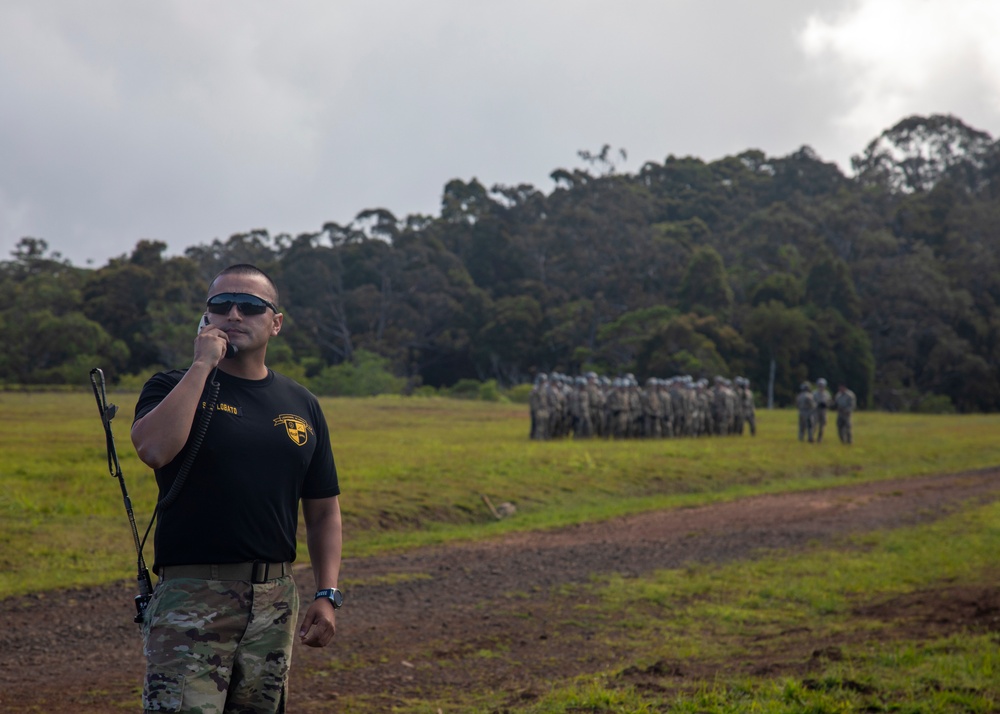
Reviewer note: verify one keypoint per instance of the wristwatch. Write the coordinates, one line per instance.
(333, 595)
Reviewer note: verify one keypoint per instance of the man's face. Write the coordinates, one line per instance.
(247, 332)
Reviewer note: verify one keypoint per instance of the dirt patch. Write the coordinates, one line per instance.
(940, 611)
(79, 650)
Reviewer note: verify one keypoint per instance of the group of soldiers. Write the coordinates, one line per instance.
(619, 408)
(813, 405)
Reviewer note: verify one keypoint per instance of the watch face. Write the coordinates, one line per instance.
(333, 595)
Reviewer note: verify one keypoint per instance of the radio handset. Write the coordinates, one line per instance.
(231, 349)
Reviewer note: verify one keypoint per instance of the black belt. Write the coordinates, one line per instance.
(255, 572)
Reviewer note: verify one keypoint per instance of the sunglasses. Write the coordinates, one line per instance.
(246, 303)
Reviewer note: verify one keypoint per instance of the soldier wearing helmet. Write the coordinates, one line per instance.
(845, 402)
(806, 405)
(579, 407)
(538, 403)
(824, 400)
(749, 415)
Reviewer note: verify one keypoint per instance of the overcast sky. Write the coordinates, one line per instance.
(186, 121)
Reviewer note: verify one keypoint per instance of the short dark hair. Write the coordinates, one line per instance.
(246, 269)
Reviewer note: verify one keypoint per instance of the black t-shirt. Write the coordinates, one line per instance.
(266, 446)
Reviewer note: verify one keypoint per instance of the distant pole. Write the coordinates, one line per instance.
(770, 386)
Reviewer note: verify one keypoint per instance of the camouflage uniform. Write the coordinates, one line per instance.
(579, 406)
(665, 416)
(680, 405)
(618, 409)
(539, 405)
(823, 401)
(242, 659)
(749, 415)
(738, 407)
(703, 409)
(596, 398)
(621, 409)
(634, 399)
(559, 420)
(846, 402)
(723, 407)
(806, 405)
(649, 399)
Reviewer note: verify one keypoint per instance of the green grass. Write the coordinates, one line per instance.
(413, 471)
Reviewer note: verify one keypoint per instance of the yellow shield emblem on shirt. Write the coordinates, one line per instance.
(296, 427)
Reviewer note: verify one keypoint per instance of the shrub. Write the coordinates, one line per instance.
(934, 404)
(366, 375)
(520, 394)
(489, 391)
(292, 370)
(135, 382)
(424, 390)
(464, 389)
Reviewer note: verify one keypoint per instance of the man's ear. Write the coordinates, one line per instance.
(279, 318)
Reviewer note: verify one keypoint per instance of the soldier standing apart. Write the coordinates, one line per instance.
(218, 632)
(845, 401)
(824, 401)
(806, 405)
(749, 416)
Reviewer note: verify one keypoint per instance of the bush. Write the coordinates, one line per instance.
(934, 404)
(292, 370)
(135, 382)
(521, 394)
(489, 391)
(465, 389)
(366, 375)
(424, 390)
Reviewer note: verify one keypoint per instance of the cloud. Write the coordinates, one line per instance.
(186, 121)
(903, 57)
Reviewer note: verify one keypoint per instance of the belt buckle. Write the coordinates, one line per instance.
(260, 572)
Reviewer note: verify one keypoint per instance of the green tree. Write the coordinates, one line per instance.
(829, 285)
(782, 287)
(679, 347)
(705, 288)
(780, 335)
(619, 342)
(512, 334)
(919, 151)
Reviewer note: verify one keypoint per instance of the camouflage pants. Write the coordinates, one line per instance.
(819, 422)
(844, 428)
(219, 646)
(805, 426)
(540, 428)
(619, 425)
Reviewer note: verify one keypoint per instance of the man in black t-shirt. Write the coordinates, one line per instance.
(218, 631)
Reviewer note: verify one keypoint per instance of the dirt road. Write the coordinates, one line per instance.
(415, 625)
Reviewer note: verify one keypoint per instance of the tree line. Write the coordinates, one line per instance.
(781, 270)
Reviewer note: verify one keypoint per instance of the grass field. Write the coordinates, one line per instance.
(413, 472)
